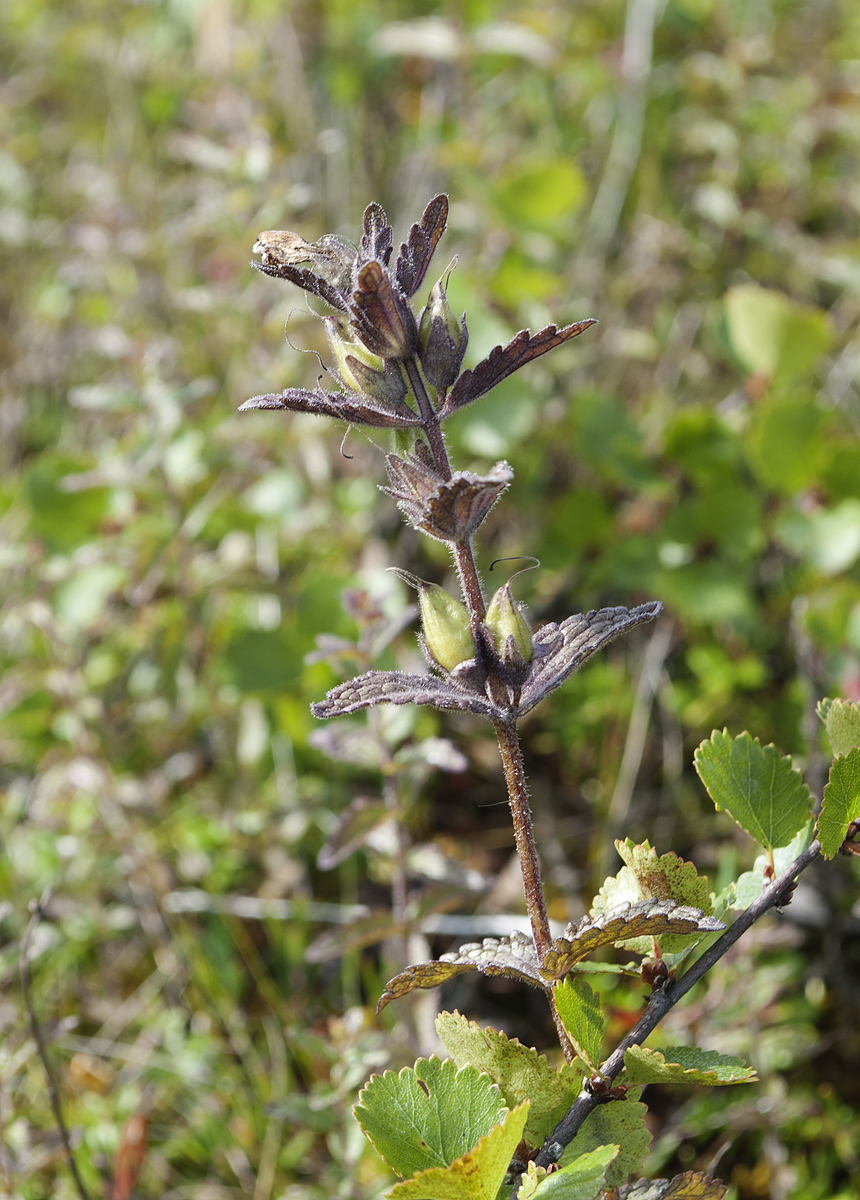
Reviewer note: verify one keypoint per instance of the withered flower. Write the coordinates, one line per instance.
(450, 510)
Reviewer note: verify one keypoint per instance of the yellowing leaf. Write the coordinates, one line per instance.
(477, 1175)
(428, 1115)
(520, 1072)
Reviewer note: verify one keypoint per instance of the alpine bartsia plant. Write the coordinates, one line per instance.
(496, 1111)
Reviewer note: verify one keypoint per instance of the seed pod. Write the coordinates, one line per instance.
(446, 622)
(447, 627)
(442, 340)
(360, 370)
(343, 348)
(505, 619)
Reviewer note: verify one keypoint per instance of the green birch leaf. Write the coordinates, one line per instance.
(756, 785)
(842, 721)
(685, 1064)
(579, 1008)
(841, 803)
(477, 1175)
(647, 875)
(428, 1115)
(519, 1072)
(584, 1179)
(618, 1123)
(751, 884)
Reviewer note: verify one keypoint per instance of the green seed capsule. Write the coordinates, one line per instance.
(505, 619)
(343, 348)
(447, 628)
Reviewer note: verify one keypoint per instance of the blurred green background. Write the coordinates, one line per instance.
(685, 171)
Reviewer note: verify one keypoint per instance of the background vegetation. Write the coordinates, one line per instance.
(165, 565)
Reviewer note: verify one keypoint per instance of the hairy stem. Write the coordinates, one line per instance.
(662, 1001)
(463, 556)
(515, 778)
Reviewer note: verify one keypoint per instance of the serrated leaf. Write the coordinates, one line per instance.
(513, 956)
(579, 1008)
(618, 1123)
(649, 918)
(842, 721)
(414, 257)
(502, 361)
(646, 876)
(477, 1175)
(519, 1071)
(394, 687)
(692, 1185)
(685, 1064)
(756, 786)
(751, 884)
(584, 1179)
(841, 803)
(428, 1115)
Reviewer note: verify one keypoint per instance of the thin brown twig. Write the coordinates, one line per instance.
(36, 909)
(662, 1001)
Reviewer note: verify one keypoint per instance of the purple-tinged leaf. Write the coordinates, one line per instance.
(378, 238)
(394, 687)
(450, 510)
(415, 255)
(559, 650)
(650, 918)
(514, 957)
(381, 318)
(309, 282)
(352, 407)
(502, 361)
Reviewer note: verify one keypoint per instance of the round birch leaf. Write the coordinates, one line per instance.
(842, 721)
(647, 875)
(841, 803)
(685, 1064)
(579, 1008)
(428, 1115)
(519, 1071)
(477, 1175)
(620, 1123)
(756, 785)
(584, 1179)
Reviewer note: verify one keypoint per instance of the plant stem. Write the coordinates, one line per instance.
(662, 1001)
(463, 556)
(515, 778)
(53, 1090)
(518, 798)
